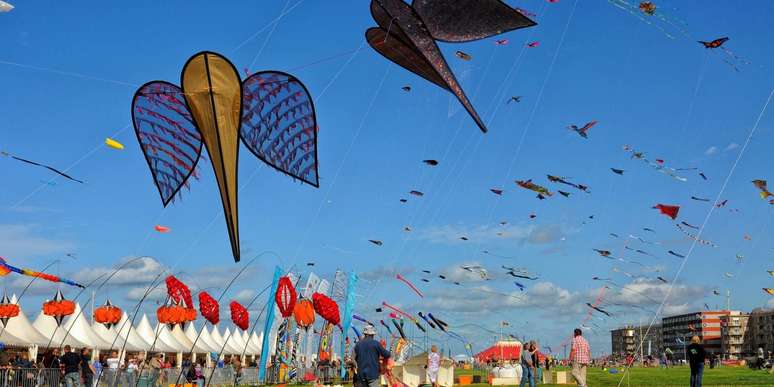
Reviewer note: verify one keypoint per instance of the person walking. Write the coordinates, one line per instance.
(367, 354)
(538, 375)
(527, 367)
(72, 367)
(696, 357)
(580, 357)
(87, 369)
(433, 365)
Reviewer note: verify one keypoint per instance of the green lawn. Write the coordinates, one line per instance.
(673, 376)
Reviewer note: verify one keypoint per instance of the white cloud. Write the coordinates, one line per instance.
(22, 241)
(141, 270)
(382, 272)
(731, 147)
(711, 151)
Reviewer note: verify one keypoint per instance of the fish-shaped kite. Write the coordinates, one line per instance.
(376, 242)
(496, 191)
(162, 229)
(617, 171)
(583, 131)
(6, 269)
(270, 112)
(407, 35)
(518, 285)
(678, 255)
(604, 253)
(430, 162)
(528, 184)
(406, 88)
(533, 44)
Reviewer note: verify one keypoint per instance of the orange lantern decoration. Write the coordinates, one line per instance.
(7, 310)
(304, 313)
(58, 308)
(175, 314)
(108, 314)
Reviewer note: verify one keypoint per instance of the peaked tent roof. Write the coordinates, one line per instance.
(165, 336)
(231, 347)
(255, 341)
(202, 345)
(154, 344)
(54, 334)
(502, 350)
(130, 334)
(77, 327)
(20, 329)
(185, 343)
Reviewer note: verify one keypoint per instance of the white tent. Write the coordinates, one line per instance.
(144, 330)
(77, 327)
(185, 343)
(54, 334)
(203, 343)
(164, 335)
(19, 328)
(239, 342)
(217, 339)
(251, 349)
(231, 346)
(209, 340)
(257, 342)
(130, 334)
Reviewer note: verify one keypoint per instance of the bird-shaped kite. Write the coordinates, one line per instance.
(407, 34)
(713, 43)
(763, 187)
(582, 131)
(271, 113)
(515, 98)
(6, 269)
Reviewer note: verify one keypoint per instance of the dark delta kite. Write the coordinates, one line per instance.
(563, 180)
(515, 98)
(376, 242)
(496, 191)
(407, 34)
(617, 171)
(271, 113)
(430, 162)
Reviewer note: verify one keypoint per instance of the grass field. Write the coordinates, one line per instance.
(675, 376)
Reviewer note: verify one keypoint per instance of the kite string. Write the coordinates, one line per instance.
(707, 218)
(71, 166)
(67, 73)
(271, 33)
(276, 20)
(344, 159)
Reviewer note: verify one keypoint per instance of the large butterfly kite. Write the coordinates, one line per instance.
(270, 111)
(406, 35)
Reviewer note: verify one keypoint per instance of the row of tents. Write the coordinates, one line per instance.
(76, 331)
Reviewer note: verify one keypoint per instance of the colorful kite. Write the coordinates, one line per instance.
(769, 291)
(658, 164)
(668, 210)
(648, 13)
(541, 191)
(50, 168)
(713, 43)
(533, 44)
(763, 187)
(270, 112)
(409, 284)
(6, 269)
(582, 131)
(695, 237)
(604, 253)
(5, 6)
(406, 35)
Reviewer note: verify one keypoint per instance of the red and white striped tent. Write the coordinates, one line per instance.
(501, 350)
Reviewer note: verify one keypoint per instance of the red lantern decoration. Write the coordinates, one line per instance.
(326, 308)
(209, 308)
(108, 314)
(304, 313)
(239, 315)
(175, 314)
(178, 292)
(7, 310)
(285, 297)
(58, 308)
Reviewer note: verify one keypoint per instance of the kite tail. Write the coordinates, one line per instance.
(409, 284)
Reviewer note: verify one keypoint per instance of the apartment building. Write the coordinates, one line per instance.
(627, 340)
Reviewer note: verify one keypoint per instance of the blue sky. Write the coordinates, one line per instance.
(69, 73)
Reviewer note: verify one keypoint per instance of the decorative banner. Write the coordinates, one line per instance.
(267, 325)
(348, 306)
(179, 292)
(326, 308)
(322, 288)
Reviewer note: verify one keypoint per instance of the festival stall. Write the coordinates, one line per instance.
(413, 372)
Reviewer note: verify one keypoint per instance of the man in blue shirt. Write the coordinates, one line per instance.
(367, 354)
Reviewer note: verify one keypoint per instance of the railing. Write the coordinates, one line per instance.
(50, 377)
